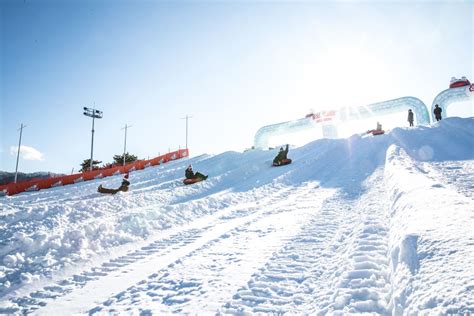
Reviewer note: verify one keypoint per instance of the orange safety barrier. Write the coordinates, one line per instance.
(38, 184)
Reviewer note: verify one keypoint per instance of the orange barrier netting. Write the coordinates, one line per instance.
(38, 184)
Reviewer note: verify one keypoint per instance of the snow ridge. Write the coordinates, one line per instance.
(430, 243)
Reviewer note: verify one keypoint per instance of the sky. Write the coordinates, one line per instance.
(232, 66)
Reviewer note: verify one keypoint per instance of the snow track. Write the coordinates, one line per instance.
(235, 227)
(309, 276)
(458, 175)
(294, 273)
(206, 277)
(364, 284)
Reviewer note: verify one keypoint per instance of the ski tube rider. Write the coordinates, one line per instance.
(282, 155)
(189, 173)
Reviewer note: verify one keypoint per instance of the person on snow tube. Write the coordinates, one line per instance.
(281, 156)
(377, 131)
(123, 187)
(191, 175)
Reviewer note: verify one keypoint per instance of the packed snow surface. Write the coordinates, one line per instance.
(378, 224)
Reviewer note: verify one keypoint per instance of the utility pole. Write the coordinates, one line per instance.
(186, 118)
(18, 154)
(125, 142)
(94, 114)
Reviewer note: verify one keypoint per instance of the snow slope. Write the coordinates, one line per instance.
(361, 225)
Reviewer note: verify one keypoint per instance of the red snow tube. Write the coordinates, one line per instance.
(282, 163)
(191, 181)
(100, 189)
(459, 83)
(378, 132)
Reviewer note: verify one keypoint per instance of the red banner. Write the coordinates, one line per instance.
(38, 184)
(322, 116)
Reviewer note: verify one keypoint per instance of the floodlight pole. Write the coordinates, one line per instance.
(92, 144)
(18, 154)
(94, 114)
(186, 118)
(125, 142)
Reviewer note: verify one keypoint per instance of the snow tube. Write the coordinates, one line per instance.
(376, 132)
(100, 189)
(194, 180)
(282, 163)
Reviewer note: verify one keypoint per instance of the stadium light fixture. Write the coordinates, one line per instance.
(95, 114)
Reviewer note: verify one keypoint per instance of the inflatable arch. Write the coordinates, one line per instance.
(449, 96)
(264, 134)
(387, 107)
(345, 114)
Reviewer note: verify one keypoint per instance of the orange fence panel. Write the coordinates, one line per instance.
(38, 184)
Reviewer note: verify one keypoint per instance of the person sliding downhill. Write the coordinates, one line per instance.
(377, 131)
(123, 187)
(281, 158)
(191, 175)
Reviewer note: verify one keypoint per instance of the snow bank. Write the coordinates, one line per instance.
(431, 240)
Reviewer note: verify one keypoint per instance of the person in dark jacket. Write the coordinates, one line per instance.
(437, 112)
(282, 155)
(125, 182)
(410, 117)
(189, 173)
(123, 187)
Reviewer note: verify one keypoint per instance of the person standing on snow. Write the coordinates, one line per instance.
(437, 112)
(410, 117)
